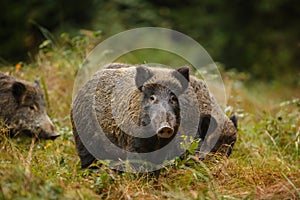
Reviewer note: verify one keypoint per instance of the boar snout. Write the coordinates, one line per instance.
(47, 129)
(54, 135)
(165, 131)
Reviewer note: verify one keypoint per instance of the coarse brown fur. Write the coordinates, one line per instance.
(22, 108)
(113, 90)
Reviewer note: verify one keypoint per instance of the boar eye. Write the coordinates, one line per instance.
(173, 98)
(152, 98)
(32, 107)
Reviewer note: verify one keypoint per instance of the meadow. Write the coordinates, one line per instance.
(265, 162)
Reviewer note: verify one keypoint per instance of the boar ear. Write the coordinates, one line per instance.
(183, 75)
(18, 89)
(37, 81)
(207, 125)
(185, 72)
(143, 74)
(234, 120)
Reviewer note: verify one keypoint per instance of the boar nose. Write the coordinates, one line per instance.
(48, 129)
(165, 131)
(54, 135)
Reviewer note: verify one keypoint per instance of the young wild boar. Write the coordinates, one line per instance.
(122, 98)
(22, 108)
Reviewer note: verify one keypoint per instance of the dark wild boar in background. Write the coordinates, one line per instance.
(22, 108)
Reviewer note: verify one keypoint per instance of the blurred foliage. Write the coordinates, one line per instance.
(260, 37)
(21, 21)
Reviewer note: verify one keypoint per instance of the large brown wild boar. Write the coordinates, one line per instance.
(122, 93)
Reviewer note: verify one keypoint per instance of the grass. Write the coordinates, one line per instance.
(265, 163)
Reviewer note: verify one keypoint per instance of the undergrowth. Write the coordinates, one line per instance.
(265, 163)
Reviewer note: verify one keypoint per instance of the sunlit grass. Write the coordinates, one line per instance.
(265, 163)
